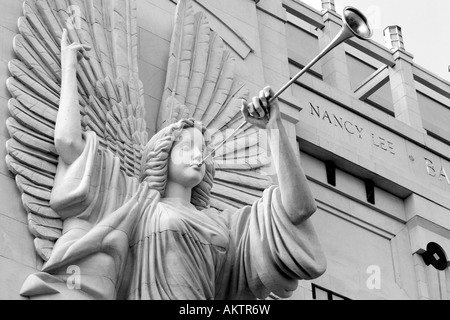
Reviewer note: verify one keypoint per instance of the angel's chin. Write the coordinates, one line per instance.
(190, 178)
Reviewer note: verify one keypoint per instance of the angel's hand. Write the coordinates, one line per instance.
(260, 112)
(72, 53)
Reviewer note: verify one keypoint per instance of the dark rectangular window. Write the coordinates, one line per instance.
(370, 191)
(331, 173)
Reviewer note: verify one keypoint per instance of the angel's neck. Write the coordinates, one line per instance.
(176, 190)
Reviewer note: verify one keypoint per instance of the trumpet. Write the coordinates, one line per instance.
(355, 25)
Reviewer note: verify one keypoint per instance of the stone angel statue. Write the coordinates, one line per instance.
(139, 219)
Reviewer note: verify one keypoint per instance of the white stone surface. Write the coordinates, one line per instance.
(412, 200)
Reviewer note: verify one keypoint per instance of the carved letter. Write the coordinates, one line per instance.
(373, 141)
(444, 174)
(391, 147)
(338, 122)
(360, 130)
(313, 110)
(430, 167)
(383, 144)
(326, 115)
(346, 127)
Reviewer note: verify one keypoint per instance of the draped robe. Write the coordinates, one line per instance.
(126, 242)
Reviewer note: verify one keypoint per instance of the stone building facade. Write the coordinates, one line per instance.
(370, 125)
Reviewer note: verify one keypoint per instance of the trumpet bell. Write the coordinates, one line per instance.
(357, 23)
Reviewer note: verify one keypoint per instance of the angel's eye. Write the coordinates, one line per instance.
(185, 146)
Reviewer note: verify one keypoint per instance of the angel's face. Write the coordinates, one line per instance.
(187, 152)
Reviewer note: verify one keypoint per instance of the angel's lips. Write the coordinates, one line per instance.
(196, 165)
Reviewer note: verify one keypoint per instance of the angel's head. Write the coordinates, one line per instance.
(172, 154)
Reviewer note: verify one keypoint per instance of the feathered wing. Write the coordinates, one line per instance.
(111, 96)
(200, 84)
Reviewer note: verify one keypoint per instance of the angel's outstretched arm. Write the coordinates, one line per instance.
(296, 196)
(69, 142)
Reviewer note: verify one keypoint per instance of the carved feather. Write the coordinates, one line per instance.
(120, 38)
(33, 162)
(40, 208)
(29, 138)
(259, 183)
(30, 119)
(84, 33)
(21, 73)
(44, 248)
(37, 24)
(199, 62)
(100, 41)
(231, 107)
(28, 187)
(33, 62)
(179, 66)
(213, 69)
(51, 63)
(29, 173)
(111, 96)
(201, 84)
(47, 229)
(69, 21)
(222, 89)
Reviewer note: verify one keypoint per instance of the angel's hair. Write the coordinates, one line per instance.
(155, 157)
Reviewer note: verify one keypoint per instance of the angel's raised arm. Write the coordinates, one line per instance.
(69, 142)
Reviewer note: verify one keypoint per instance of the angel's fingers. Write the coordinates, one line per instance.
(251, 110)
(83, 50)
(260, 113)
(268, 92)
(81, 47)
(263, 99)
(244, 110)
(87, 47)
(248, 110)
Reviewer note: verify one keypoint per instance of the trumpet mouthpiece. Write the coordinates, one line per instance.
(197, 164)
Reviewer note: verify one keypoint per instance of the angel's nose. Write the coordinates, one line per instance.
(197, 157)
